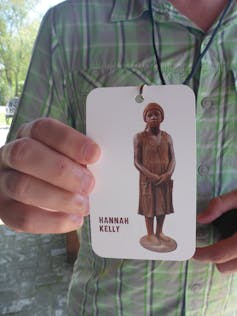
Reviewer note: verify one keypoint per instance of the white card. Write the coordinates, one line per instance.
(127, 136)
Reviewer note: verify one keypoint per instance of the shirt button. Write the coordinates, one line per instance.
(203, 170)
(196, 287)
(207, 103)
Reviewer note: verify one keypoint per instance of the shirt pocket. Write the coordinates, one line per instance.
(80, 82)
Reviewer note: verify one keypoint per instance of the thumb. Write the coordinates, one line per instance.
(218, 206)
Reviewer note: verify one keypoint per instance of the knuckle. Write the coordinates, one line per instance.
(24, 224)
(18, 151)
(221, 269)
(218, 201)
(23, 188)
(216, 255)
(17, 186)
(42, 127)
(215, 202)
(17, 221)
(38, 126)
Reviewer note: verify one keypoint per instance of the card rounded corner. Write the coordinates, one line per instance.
(190, 254)
(189, 89)
(91, 93)
(96, 252)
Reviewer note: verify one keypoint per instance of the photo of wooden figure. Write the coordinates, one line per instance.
(155, 160)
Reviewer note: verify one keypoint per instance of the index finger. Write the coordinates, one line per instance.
(218, 206)
(222, 251)
(63, 139)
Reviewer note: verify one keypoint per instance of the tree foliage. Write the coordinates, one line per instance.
(17, 35)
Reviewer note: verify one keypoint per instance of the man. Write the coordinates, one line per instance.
(154, 158)
(86, 44)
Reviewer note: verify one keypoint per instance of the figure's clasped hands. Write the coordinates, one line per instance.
(157, 180)
(224, 252)
(44, 182)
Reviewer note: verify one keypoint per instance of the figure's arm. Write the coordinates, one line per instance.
(171, 166)
(167, 175)
(138, 160)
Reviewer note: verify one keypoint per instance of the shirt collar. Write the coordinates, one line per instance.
(163, 10)
(128, 10)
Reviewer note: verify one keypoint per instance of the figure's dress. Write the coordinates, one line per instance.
(154, 200)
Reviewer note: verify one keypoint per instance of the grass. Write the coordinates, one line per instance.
(3, 120)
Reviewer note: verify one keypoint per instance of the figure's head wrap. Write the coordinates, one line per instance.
(153, 106)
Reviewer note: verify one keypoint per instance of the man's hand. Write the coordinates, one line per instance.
(224, 252)
(44, 182)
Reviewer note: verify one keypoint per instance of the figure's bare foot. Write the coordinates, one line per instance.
(163, 237)
(153, 239)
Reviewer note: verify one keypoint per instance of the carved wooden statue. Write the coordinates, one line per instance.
(154, 158)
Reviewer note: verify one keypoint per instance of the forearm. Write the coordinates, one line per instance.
(171, 168)
(143, 170)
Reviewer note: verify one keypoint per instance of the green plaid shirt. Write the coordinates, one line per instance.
(83, 44)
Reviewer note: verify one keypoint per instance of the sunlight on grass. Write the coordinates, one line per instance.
(3, 120)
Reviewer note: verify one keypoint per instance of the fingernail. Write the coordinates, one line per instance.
(82, 204)
(87, 184)
(76, 219)
(90, 152)
(84, 180)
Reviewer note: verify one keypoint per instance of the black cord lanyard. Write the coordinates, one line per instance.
(196, 64)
